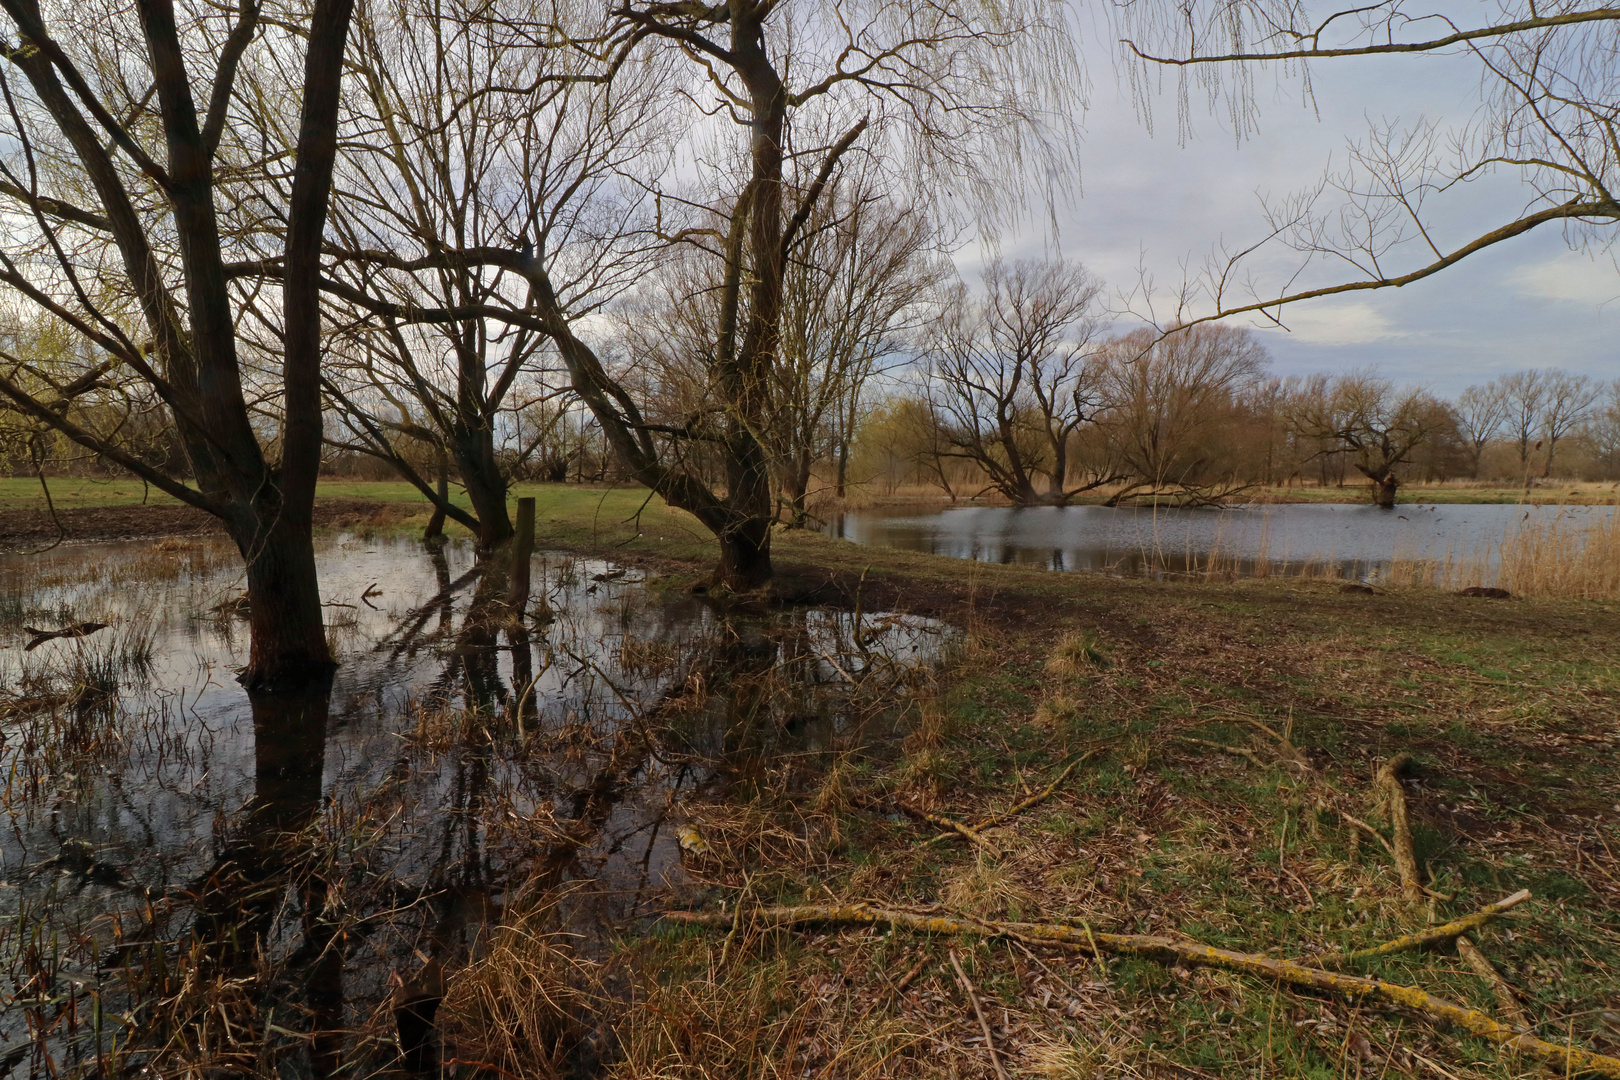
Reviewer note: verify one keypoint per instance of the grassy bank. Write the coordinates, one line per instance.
(23, 493)
(1227, 734)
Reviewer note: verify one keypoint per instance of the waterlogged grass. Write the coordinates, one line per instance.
(1224, 731)
(1229, 728)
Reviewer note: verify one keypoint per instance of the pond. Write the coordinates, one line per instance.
(311, 868)
(1333, 538)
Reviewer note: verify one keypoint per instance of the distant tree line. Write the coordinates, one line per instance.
(701, 248)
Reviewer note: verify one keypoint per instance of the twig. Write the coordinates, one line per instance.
(916, 969)
(1171, 950)
(1434, 935)
(1236, 751)
(1389, 784)
(955, 826)
(1506, 1003)
(1041, 796)
(978, 1010)
(1351, 819)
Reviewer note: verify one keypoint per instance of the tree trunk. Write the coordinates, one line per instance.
(435, 525)
(1384, 490)
(842, 476)
(486, 487)
(522, 553)
(745, 554)
(289, 648)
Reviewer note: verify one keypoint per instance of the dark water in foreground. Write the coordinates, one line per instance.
(1352, 540)
(170, 850)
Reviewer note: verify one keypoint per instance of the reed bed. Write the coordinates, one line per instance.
(1567, 553)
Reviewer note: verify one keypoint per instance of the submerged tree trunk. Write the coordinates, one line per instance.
(289, 648)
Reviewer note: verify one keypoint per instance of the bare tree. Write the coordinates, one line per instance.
(1379, 426)
(1569, 399)
(1011, 374)
(123, 208)
(862, 268)
(1525, 393)
(931, 91)
(1481, 412)
(1604, 430)
(1173, 403)
(462, 138)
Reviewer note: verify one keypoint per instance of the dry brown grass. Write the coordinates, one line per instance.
(523, 1008)
(1566, 554)
(1077, 654)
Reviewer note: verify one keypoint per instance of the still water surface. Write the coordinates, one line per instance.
(154, 819)
(1355, 540)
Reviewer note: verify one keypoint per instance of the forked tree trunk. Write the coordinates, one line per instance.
(1384, 490)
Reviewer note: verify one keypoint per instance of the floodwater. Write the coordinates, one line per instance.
(172, 849)
(1349, 540)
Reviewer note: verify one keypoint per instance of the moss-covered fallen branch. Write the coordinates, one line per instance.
(1434, 935)
(1571, 1059)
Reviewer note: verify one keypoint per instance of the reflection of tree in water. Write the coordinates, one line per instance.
(541, 755)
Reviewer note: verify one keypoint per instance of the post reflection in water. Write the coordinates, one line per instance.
(289, 883)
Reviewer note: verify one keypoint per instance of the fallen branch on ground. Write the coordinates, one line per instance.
(1235, 751)
(1156, 947)
(978, 1010)
(1436, 935)
(1506, 1003)
(1389, 785)
(957, 827)
(1036, 799)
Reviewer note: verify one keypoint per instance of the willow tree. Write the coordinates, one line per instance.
(1012, 375)
(461, 137)
(951, 101)
(122, 207)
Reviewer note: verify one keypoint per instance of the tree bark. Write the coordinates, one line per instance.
(745, 553)
(522, 552)
(435, 525)
(486, 487)
(1384, 490)
(288, 648)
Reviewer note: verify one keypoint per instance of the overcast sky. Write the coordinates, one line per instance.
(1148, 199)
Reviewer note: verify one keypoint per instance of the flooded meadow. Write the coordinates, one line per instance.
(196, 882)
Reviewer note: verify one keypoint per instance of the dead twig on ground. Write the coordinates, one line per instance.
(961, 829)
(1235, 751)
(1173, 950)
(1437, 935)
(996, 820)
(1506, 1003)
(1351, 819)
(978, 1010)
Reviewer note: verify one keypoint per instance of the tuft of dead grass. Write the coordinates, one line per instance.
(1077, 654)
(522, 1009)
(989, 889)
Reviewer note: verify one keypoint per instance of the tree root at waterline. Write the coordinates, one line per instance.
(1166, 949)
